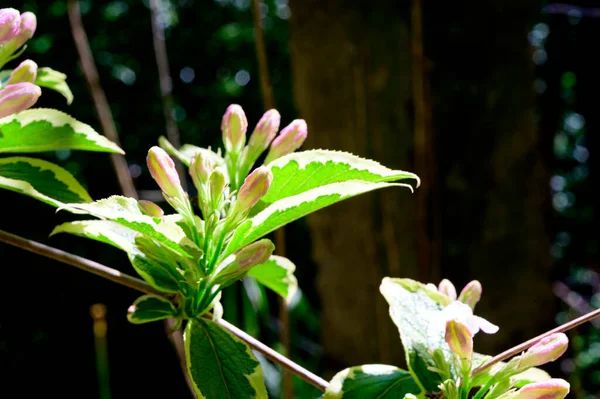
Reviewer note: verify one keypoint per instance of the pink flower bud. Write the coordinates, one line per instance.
(239, 264)
(547, 350)
(288, 141)
(25, 32)
(25, 72)
(554, 388)
(233, 126)
(18, 97)
(254, 188)
(162, 169)
(151, 209)
(460, 339)
(201, 167)
(471, 294)
(447, 288)
(10, 21)
(263, 134)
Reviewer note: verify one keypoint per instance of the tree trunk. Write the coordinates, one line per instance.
(352, 83)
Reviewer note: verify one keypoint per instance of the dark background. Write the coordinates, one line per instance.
(509, 182)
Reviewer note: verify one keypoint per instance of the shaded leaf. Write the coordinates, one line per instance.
(41, 180)
(149, 308)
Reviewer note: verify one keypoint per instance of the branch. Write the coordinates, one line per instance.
(137, 284)
(99, 97)
(525, 345)
(166, 83)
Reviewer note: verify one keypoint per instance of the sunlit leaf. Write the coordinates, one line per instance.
(278, 275)
(149, 308)
(221, 365)
(41, 129)
(371, 381)
(54, 80)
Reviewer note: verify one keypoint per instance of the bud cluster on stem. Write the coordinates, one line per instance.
(15, 30)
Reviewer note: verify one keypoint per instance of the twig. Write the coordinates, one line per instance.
(268, 103)
(166, 83)
(99, 98)
(525, 345)
(573, 300)
(137, 284)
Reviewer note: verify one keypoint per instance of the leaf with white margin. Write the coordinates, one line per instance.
(125, 211)
(277, 274)
(43, 129)
(417, 312)
(298, 172)
(105, 231)
(41, 180)
(54, 80)
(220, 365)
(291, 208)
(371, 381)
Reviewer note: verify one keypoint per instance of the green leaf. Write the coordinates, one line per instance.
(41, 129)
(277, 274)
(125, 211)
(371, 381)
(188, 151)
(302, 171)
(416, 311)
(289, 209)
(54, 80)
(220, 365)
(149, 308)
(41, 180)
(528, 377)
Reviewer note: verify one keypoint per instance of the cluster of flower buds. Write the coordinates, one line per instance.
(19, 92)
(241, 157)
(254, 188)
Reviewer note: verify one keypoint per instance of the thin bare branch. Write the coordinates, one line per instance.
(99, 97)
(140, 285)
(166, 83)
(526, 345)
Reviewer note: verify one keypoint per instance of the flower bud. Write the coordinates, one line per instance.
(162, 169)
(151, 209)
(263, 134)
(288, 141)
(254, 188)
(471, 294)
(236, 266)
(233, 126)
(218, 183)
(25, 72)
(18, 97)
(25, 32)
(554, 388)
(545, 351)
(460, 339)
(201, 167)
(447, 288)
(10, 21)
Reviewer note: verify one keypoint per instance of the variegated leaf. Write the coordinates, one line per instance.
(277, 274)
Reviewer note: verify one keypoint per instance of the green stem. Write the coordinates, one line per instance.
(484, 389)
